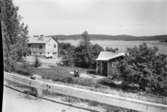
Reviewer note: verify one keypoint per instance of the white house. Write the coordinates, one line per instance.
(43, 46)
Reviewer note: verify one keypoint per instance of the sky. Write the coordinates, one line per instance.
(113, 17)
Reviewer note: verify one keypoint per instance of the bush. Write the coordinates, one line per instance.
(143, 66)
(37, 63)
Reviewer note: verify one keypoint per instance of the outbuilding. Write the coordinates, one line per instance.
(105, 62)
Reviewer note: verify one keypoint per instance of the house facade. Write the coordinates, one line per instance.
(106, 61)
(43, 46)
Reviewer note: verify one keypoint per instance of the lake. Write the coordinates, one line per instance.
(122, 45)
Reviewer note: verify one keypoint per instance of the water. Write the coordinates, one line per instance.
(122, 45)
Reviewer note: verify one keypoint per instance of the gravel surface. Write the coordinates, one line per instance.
(17, 102)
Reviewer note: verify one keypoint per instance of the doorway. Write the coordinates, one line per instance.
(104, 68)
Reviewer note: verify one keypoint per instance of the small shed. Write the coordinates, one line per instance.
(105, 61)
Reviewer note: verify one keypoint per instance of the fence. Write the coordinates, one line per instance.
(109, 99)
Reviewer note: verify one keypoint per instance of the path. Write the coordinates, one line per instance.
(17, 102)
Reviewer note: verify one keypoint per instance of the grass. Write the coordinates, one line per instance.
(62, 74)
(23, 68)
(57, 73)
(93, 103)
(54, 74)
(69, 68)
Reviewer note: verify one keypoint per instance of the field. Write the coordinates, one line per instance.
(122, 45)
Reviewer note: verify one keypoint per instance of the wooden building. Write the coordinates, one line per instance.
(105, 62)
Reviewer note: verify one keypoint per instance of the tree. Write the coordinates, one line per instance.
(86, 44)
(67, 53)
(86, 39)
(145, 67)
(83, 55)
(86, 53)
(14, 34)
(94, 53)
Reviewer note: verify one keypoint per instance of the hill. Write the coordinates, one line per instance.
(111, 37)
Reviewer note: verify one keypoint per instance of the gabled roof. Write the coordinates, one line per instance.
(106, 55)
(39, 40)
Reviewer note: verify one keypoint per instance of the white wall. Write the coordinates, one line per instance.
(50, 47)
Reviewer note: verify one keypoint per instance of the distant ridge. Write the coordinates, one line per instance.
(111, 37)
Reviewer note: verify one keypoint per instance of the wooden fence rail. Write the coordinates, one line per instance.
(108, 99)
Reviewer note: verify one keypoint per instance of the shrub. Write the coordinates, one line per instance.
(37, 63)
(145, 67)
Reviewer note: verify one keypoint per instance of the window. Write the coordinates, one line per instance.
(55, 46)
(40, 47)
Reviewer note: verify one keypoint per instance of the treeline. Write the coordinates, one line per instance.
(112, 37)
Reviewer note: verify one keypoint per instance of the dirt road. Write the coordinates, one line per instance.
(17, 102)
